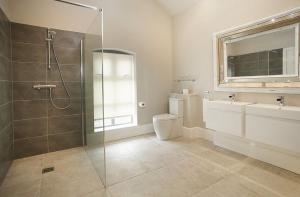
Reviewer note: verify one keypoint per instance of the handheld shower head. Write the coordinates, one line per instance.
(51, 34)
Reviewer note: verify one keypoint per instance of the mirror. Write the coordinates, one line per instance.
(262, 56)
(267, 54)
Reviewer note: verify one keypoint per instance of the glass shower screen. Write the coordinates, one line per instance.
(93, 91)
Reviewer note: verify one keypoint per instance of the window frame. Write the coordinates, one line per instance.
(134, 73)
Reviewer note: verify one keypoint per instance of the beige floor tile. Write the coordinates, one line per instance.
(119, 170)
(235, 186)
(176, 179)
(146, 167)
(24, 170)
(26, 189)
(98, 193)
(72, 157)
(276, 179)
(57, 185)
(146, 185)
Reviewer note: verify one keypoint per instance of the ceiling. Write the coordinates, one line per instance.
(177, 6)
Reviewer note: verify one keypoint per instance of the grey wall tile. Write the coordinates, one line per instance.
(74, 89)
(261, 63)
(30, 146)
(5, 46)
(29, 71)
(64, 124)
(67, 39)
(30, 128)
(65, 141)
(67, 55)
(34, 115)
(5, 92)
(69, 72)
(6, 131)
(28, 33)
(24, 52)
(6, 136)
(25, 91)
(75, 107)
(30, 109)
(5, 68)
(5, 115)
(6, 150)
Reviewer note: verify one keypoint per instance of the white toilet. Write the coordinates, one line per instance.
(169, 126)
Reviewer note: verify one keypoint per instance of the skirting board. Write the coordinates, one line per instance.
(266, 153)
(117, 134)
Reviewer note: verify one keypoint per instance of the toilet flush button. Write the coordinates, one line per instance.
(142, 104)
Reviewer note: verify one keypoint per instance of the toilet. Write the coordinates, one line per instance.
(168, 126)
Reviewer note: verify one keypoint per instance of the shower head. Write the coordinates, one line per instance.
(51, 34)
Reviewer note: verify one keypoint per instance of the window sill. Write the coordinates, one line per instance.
(112, 128)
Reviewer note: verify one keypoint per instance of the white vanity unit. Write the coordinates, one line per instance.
(270, 133)
(227, 117)
(274, 125)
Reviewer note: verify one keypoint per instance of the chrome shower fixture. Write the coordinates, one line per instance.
(49, 39)
(51, 34)
(39, 86)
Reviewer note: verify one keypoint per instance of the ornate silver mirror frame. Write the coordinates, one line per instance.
(277, 84)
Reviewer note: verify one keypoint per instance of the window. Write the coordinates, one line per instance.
(119, 90)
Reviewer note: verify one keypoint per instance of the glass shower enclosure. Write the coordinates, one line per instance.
(94, 96)
(64, 44)
(92, 93)
(92, 88)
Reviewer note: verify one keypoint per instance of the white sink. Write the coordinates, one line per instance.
(228, 105)
(274, 125)
(226, 117)
(286, 112)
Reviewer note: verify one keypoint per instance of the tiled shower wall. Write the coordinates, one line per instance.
(38, 126)
(254, 64)
(6, 131)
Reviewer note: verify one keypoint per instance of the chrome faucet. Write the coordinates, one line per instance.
(232, 97)
(280, 100)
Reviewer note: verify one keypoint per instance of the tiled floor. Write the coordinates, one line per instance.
(146, 167)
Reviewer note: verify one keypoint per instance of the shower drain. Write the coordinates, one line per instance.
(49, 169)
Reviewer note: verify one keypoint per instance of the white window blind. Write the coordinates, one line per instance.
(119, 90)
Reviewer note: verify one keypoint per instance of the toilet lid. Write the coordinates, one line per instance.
(164, 117)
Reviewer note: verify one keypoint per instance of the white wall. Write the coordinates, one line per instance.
(140, 26)
(143, 27)
(192, 40)
(49, 13)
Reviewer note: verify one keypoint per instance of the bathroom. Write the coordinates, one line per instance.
(177, 118)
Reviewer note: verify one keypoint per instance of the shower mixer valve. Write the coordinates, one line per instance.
(39, 86)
